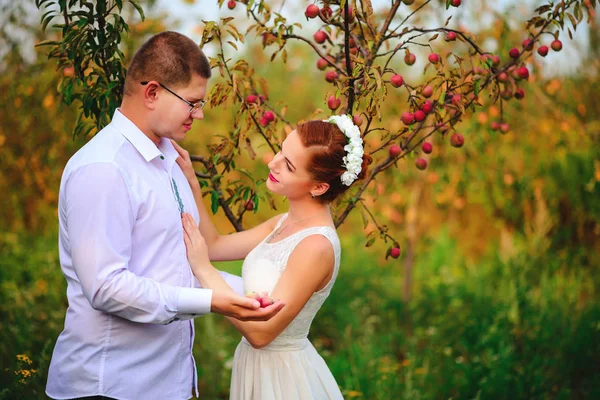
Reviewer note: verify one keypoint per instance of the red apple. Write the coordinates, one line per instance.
(421, 163)
(542, 51)
(326, 12)
(395, 150)
(350, 14)
(427, 107)
(269, 116)
(251, 99)
(514, 52)
(357, 120)
(311, 11)
(455, 3)
(333, 103)
(419, 115)
(504, 127)
(433, 58)
(502, 76)
(395, 252)
(427, 147)
(456, 99)
(263, 121)
(231, 4)
(68, 71)
(331, 76)
(457, 140)
(519, 94)
(320, 37)
(495, 60)
(556, 45)
(427, 91)
(266, 301)
(523, 72)
(450, 36)
(494, 125)
(410, 59)
(322, 63)
(396, 80)
(408, 118)
(528, 44)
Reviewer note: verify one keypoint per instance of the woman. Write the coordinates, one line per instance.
(294, 257)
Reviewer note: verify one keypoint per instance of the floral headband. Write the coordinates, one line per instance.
(353, 160)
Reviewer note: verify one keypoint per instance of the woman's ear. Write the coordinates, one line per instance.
(320, 189)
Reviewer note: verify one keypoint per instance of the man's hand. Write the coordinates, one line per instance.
(233, 305)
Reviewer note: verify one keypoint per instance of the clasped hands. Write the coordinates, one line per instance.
(224, 300)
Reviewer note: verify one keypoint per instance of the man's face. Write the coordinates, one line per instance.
(171, 118)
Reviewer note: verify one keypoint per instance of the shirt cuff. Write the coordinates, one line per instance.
(194, 301)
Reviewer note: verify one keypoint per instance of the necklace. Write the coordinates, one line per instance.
(281, 230)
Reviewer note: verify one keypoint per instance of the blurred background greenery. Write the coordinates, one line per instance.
(496, 294)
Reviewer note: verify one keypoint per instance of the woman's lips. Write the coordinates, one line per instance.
(272, 178)
(187, 126)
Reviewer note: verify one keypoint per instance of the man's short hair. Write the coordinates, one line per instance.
(169, 58)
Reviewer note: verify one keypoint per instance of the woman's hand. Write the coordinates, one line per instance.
(185, 163)
(197, 251)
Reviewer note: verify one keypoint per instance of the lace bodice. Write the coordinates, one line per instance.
(265, 264)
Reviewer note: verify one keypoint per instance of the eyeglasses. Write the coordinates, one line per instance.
(193, 106)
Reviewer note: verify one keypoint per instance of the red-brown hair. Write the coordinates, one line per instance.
(326, 143)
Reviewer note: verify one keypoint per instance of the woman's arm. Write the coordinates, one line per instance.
(210, 277)
(235, 246)
(310, 264)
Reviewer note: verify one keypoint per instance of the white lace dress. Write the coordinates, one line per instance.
(289, 368)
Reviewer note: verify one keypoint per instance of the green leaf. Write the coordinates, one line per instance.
(138, 8)
(214, 201)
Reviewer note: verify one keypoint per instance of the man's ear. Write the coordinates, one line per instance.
(150, 94)
(320, 189)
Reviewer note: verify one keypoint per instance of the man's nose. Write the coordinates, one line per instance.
(198, 114)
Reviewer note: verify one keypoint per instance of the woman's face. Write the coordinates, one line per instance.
(288, 169)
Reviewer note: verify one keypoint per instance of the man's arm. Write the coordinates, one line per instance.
(99, 220)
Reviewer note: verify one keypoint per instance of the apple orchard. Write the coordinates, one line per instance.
(363, 56)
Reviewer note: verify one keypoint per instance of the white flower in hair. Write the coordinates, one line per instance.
(354, 149)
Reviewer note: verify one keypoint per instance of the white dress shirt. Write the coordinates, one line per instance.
(128, 329)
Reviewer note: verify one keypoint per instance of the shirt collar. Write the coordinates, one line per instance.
(137, 138)
(168, 150)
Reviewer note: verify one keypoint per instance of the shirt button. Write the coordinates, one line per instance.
(162, 157)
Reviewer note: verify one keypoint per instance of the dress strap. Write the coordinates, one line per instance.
(283, 217)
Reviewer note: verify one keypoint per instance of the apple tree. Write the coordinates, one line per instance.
(358, 50)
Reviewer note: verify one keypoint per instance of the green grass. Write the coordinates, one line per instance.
(527, 327)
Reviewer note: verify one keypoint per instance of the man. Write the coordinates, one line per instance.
(132, 296)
